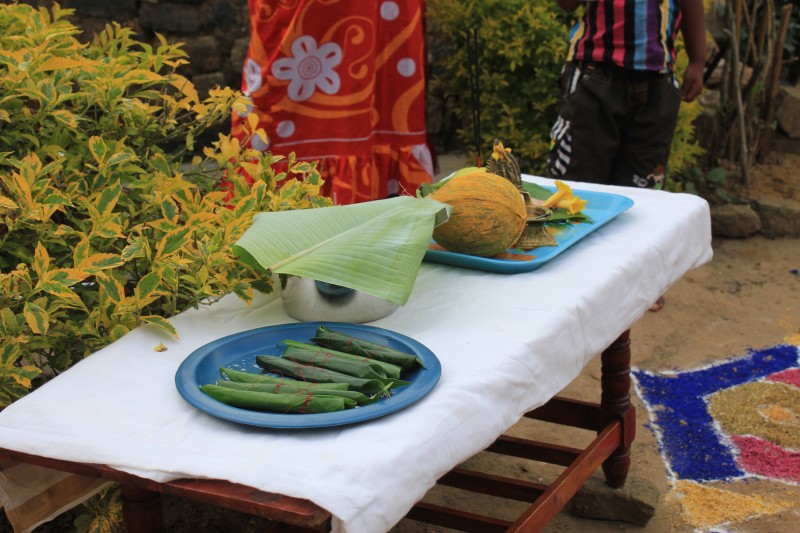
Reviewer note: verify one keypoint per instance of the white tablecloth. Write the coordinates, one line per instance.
(507, 343)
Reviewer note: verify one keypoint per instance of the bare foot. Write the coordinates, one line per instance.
(656, 307)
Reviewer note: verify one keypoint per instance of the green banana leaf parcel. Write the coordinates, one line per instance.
(375, 247)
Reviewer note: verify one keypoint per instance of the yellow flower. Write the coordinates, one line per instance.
(573, 205)
(563, 192)
(565, 199)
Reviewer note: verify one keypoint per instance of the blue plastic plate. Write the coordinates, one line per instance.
(601, 208)
(238, 351)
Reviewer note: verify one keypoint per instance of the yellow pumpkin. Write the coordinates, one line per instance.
(488, 214)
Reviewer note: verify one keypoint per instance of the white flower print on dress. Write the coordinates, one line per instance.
(252, 76)
(311, 67)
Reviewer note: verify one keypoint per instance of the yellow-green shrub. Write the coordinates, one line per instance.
(102, 227)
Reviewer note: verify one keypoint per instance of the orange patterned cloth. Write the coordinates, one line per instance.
(342, 82)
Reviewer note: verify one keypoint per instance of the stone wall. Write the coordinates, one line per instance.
(214, 33)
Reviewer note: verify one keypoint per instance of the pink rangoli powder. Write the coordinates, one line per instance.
(791, 376)
(761, 457)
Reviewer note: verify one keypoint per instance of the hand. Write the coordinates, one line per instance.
(692, 81)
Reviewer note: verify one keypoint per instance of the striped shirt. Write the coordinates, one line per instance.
(634, 34)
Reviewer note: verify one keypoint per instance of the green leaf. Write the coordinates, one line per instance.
(161, 322)
(81, 251)
(147, 285)
(172, 242)
(41, 262)
(98, 148)
(169, 209)
(108, 199)
(57, 198)
(8, 322)
(375, 247)
(111, 287)
(160, 163)
(37, 318)
(134, 249)
(62, 292)
(7, 203)
(537, 191)
(120, 157)
(101, 261)
(717, 176)
(65, 117)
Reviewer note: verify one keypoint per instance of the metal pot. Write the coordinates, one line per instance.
(309, 300)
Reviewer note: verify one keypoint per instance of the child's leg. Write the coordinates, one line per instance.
(647, 136)
(585, 138)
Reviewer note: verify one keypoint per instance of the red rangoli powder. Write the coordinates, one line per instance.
(761, 457)
(790, 377)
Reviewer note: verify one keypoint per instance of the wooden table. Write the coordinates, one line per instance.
(537, 330)
(613, 419)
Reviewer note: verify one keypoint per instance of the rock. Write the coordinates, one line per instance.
(239, 53)
(781, 143)
(734, 221)
(780, 217)
(203, 52)
(117, 10)
(706, 125)
(172, 18)
(787, 112)
(223, 14)
(634, 503)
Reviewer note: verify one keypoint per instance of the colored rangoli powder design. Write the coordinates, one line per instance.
(765, 459)
(792, 377)
(763, 409)
(705, 507)
(690, 442)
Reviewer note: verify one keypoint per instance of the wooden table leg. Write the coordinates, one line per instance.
(141, 510)
(615, 404)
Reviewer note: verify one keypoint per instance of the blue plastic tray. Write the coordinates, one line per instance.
(238, 351)
(601, 208)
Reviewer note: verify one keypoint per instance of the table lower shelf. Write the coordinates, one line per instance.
(613, 419)
(546, 500)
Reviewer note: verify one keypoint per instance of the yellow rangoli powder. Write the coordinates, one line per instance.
(705, 507)
(767, 410)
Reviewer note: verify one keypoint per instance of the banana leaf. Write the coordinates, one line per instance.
(391, 370)
(375, 247)
(325, 359)
(248, 377)
(345, 343)
(281, 388)
(320, 375)
(277, 403)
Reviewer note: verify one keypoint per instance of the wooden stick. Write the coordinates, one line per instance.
(766, 43)
(749, 57)
(737, 93)
(738, 33)
(769, 9)
(774, 86)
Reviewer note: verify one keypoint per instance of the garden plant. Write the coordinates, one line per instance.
(107, 220)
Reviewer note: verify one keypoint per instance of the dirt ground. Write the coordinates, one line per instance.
(746, 297)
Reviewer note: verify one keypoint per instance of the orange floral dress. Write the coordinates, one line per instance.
(342, 82)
